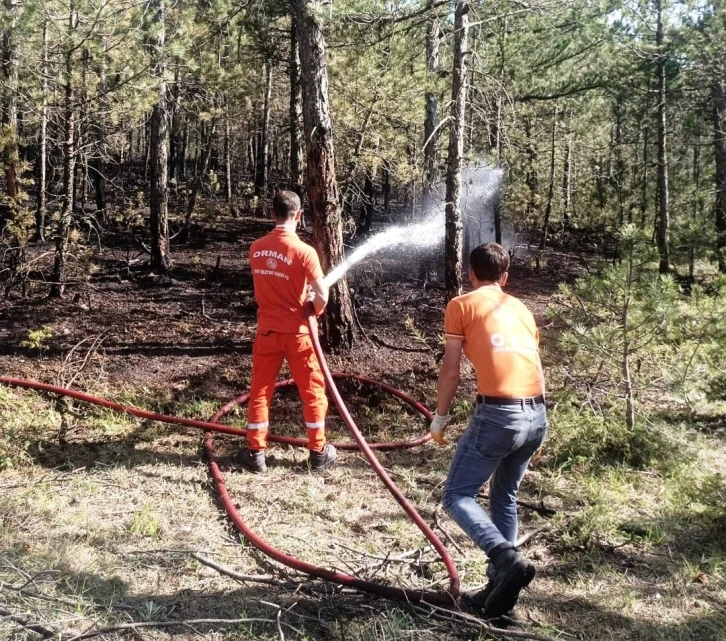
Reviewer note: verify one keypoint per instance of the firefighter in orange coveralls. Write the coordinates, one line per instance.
(286, 274)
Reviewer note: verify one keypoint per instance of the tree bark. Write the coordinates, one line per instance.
(532, 176)
(431, 136)
(296, 164)
(227, 157)
(663, 232)
(199, 178)
(719, 141)
(696, 175)
(69, 164)
(41, 208)
(159, 149)
(551, 188)
(322, 183)
(454, 226)
(567, 184)
(644, 176)
(99, 164)
(263, 152)
(11, 157)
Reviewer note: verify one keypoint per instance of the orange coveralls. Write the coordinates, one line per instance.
(282, 267)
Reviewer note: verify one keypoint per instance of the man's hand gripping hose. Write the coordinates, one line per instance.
(438, 427)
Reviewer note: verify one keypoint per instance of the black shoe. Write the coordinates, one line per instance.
(253, 461)
(477, 598)
(514, 572)
(320, 461)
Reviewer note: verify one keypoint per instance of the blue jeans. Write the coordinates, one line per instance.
(498, 444)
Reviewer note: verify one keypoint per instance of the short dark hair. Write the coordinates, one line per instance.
(285, 205)
(489, 262)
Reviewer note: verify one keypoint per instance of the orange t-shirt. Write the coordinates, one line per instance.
(500, 339)
(282, 267)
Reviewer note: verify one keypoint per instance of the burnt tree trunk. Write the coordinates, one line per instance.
(719, 142)
(454, 226)
(69, 165)
(532, 176)
(159, 149)
(296, 164)
(322, 183)
(431, 136)
(663, 231)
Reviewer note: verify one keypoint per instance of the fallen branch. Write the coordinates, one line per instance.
(540, 509)
(169, 624)
(237, 576)
(526, 538)
(447, 536)
(440, 613)
(44, 632)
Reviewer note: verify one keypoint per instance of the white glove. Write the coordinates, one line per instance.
(311, 295)
(438, 427)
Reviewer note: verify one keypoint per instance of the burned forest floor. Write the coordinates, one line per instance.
(110, 524)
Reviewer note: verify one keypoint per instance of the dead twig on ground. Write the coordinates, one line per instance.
(540, 509)
(44, 632)
(169, 624)
(446, 534)
(526, 538)
(441, 613)
(237, 576)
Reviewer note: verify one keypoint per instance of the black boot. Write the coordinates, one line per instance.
(320, 461)
(477, 598)
(514, 572)
(253, 461)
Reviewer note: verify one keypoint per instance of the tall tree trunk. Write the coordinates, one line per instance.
(322, 184)
(10, 152)
(69, 164)
(619, 172)
(498, 137)
(263, 152)
(454, 226)
(532, 176)
(663, 195)
(199, 178)
(41, 208)
(368, 205)
(644, 176)
(567, 183)
(296, 164)
(551, 188)
(719, 141)
(227, 157)
(696, 175)
(99, 164)
(431, 136)
(159, 149)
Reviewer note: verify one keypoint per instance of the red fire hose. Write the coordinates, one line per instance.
(438, 598)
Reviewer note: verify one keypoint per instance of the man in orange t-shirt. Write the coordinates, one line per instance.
(498, 334)
(286, 273)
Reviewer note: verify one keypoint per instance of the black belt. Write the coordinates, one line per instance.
(503, 400)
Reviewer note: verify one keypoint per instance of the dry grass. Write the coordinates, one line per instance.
(105, 528)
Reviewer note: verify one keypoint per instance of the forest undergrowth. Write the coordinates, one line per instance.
(110, 525)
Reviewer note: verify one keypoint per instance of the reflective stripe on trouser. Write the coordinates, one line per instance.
(269, 350)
